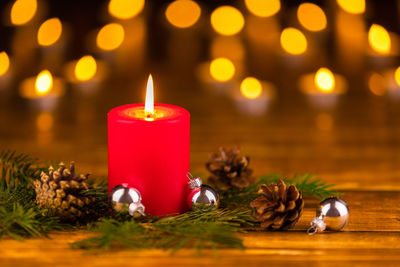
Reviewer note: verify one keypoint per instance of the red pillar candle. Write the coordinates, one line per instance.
(150, 152)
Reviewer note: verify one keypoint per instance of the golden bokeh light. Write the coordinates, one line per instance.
(44, 121)
(263, 8)
(222, 69)
(251, 88)
(110, 37)
(397, 76)
(43, 83)
(125, 9)
(85, 68)
(227, 20)
(293, 41)
(352, 6)
(49, 32)
(377, 84)
(22, 11)
(379, 39)
(183, 13)
(324, 80)
(4, 63)
(311, 17)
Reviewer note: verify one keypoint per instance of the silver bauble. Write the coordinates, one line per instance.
(126, 200)
(332, 214)
(205, 196)
(200, 193)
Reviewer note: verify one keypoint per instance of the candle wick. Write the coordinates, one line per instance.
(149, 116)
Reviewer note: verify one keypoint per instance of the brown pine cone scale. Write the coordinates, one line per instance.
(229, 170)
(278, 207)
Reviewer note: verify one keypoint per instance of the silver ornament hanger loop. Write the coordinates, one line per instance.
(317, 225)
(194, 182)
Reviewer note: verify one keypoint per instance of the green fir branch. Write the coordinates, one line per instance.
(204, 227)
(17, 169)
(310, 185)
(19, 222)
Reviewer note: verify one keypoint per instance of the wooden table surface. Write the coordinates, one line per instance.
(371, 237)
(355, 144)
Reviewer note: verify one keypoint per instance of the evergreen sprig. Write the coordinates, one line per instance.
(311, 185)
(17, 169)
(204, 227)
(19, 222)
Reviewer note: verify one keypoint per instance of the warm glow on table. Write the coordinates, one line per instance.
(324, 80)
(23, 11)
(222, 69)
(251, 88)
(4, 63)
(379, 39)
(311, 17)
(352, 6)
(183, 13)
(125, 9)
(263, 8)
(397, 76)
(44, 121)
(49, 32)
(293, 41)
(377, 84)
(85, 68)
(110, 37)
(44, 82)
(227, 20)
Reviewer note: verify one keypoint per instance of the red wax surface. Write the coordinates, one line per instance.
(151, 156)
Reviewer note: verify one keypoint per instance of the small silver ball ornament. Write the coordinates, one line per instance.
(200, 193)
(332, 214)
(125, 199)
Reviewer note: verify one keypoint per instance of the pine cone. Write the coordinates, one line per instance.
(278, 207)
(60, 192)
(229, 170)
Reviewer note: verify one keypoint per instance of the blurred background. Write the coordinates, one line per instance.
(300, 86)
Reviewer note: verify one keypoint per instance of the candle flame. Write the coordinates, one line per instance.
(251, 88)
(149, 104)
(49, 32)
(324, 80)
(397, 76)
(44, 82)
(85, 68)
(23, 11)
(379, 39)
(4, 63)
(293, 41)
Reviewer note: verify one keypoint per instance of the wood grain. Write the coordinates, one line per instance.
(371, 237)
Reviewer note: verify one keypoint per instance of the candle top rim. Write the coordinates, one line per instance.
(173, 113)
